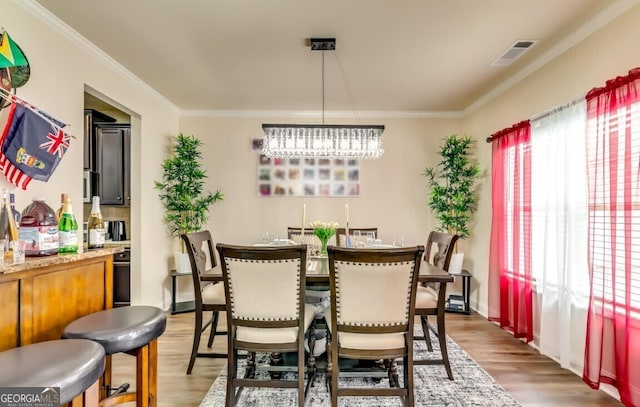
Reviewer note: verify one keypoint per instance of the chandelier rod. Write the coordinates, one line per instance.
(323, 51)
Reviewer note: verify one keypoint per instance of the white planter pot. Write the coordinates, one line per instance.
(183, 265)
(455, 265)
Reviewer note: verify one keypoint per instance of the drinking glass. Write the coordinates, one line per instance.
(398, 241)
(371, 238)
(265, 235)
(357, 239)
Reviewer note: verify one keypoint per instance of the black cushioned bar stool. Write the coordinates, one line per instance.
(75, 366)
(133, 330)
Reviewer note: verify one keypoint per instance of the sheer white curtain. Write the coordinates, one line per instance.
(559, 232)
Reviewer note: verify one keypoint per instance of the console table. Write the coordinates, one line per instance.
(179, 307)
(460, 303)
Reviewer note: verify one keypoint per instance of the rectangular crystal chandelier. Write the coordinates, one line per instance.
(323, 140)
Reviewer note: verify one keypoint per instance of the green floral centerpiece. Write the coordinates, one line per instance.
(324, 231)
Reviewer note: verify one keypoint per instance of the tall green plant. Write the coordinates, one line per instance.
(182, 187)
(452, 195)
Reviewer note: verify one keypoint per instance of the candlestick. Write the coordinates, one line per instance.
(304, 221)
(346, 212)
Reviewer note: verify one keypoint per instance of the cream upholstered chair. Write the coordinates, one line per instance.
(431, 300)
(372, 310)
(265, 288)
(208, 296)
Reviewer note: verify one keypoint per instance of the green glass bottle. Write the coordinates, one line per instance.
(68, 229)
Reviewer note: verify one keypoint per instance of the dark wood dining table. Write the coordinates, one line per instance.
(318, 273)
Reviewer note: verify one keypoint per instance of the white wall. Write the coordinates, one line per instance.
(393, 190)
(60, 69)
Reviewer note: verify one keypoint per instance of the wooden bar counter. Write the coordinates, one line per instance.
(39, 297)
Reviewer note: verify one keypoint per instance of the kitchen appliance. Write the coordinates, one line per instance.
(88, 185)
(122, 278)
(117, 230)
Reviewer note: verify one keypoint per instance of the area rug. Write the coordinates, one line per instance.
(472, 386)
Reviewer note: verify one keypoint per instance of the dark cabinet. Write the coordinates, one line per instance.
(91, 118)
(112, 156)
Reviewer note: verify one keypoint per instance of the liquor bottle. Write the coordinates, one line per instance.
(14, 211)
(68, 229)
(96, 226)
(8, 226)
(63, 200)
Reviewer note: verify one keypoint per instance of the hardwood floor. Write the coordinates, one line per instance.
(534, 380)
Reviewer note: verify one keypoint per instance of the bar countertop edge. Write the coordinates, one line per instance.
(61, 258)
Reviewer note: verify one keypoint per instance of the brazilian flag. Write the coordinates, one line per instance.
(10, 53)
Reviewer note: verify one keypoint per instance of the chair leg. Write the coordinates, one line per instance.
(329, 369)
(425, 330)
(197, 331)
(408, 379)
(214, 328)
(301, 392)
(232, 371)
(442, 339)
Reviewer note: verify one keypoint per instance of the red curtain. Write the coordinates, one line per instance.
(612, 352)
(510, 283)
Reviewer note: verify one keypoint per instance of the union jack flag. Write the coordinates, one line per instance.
(57, 144)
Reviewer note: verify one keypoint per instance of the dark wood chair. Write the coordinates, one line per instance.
(295, 234)
(258, 320)
(209, 296)
(341, 234)
(372, 312)
(430, 300)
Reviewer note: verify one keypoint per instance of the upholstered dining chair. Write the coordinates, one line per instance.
(341, 234)
(209, 296)
(372, 311)
(265, 287)
(431, 300)
(295, 234)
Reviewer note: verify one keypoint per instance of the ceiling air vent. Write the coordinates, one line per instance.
(513, 52)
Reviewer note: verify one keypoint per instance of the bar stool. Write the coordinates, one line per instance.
(133, 330)
(74, 365)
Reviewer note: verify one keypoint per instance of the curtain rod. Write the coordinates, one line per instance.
(544, 114)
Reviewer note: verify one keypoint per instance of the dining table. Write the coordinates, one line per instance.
(318, 272)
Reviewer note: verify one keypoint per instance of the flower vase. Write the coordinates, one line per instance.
(323, 246)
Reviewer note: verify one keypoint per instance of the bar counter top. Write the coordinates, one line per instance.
(44, 261)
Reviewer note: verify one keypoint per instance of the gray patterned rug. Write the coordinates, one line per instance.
(472, 386)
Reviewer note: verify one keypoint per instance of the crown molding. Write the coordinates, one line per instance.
(314, 114)
(592, 25)
(44, 15)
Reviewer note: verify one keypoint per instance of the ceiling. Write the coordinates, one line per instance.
(400, 56)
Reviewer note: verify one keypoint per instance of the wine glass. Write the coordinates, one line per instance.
(371, 238)
(265, 235)
(357, 238)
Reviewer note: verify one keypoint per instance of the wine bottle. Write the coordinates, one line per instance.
(14, 211)
(68, 229)
(96, 226)
(63, 200)
(7, 221)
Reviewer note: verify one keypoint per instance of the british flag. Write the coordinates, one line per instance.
(32, 145)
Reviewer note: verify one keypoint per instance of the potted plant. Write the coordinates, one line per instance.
(452, 195)
(186, 202)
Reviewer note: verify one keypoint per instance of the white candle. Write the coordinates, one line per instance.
(346, 212)
(304, 217)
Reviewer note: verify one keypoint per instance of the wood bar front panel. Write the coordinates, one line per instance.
(9, 292)
(36, 304)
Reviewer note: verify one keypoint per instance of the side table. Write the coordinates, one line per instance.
(179, 307)
(460, 303)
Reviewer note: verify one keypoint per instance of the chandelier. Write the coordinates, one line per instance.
(323, 140)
